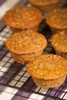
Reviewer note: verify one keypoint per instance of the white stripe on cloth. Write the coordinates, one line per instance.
(8, 93)
(6, 6)
(34, 96)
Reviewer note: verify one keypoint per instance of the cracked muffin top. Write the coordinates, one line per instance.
(47, 66)
(57, 18)
(22, 17)
(26, 42)
(59, 41)
(43, 2)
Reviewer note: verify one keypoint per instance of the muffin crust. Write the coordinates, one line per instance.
(45, 6)
(43, 2)
(49, 83)
(59, 41)
(26, 45)
(57, 18)
(25, 58)
(47, 67)
(26, 42)
(23, 17)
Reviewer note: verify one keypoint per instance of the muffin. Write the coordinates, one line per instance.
(57, 20)
(48, 71)
(59, 43)
(23, 18)
(26, 45)
(45, 5)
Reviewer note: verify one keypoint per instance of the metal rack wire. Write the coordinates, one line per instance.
(15, 75)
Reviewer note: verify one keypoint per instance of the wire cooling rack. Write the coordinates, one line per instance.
(15, 75)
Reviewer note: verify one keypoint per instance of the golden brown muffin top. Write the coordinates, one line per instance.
(59, 41)
(26, 42)
(47, 67)
(22, 17)
(57, 18)
(43, 2)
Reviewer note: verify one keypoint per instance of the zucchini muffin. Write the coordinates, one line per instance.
(57, 20)
(48, 71)
(45, 5)
(59, 43)
(26, 45)
(23, 18)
